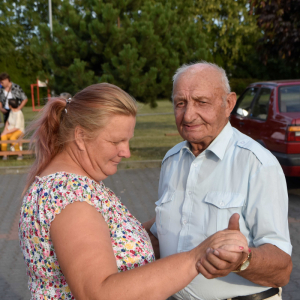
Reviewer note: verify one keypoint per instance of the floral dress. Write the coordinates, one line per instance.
(46, 198)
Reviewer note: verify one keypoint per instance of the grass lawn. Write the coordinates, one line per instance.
(149, 141)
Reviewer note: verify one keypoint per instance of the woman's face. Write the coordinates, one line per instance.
(111, 144)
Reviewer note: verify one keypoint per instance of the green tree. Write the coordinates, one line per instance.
(231, 29)
(136, 45)
(160, 37)
(8, 28)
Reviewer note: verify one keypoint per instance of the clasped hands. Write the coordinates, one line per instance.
(222, 252)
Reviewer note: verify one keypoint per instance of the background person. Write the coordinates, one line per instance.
(14, 128)
(215, 172)
(75, 234)
(10, 90)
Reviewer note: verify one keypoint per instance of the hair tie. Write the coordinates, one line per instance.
(68, 101)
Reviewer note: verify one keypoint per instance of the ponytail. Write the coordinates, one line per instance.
(45, 139)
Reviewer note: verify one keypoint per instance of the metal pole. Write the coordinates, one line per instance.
(51, 34)
(50, 17)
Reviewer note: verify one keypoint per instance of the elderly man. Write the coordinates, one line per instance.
(10, 90)
(215, 172)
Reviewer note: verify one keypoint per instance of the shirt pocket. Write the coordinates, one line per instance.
(222, 205)
(163, 210)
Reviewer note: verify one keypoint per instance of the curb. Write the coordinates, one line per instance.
(14, 170)
(124, 165)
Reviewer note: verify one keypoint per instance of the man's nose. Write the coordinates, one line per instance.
(189, 113)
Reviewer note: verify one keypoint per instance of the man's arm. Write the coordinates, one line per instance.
(23, 103)
(266, 214)
(155, 243)
(262, 269)
(2, 109)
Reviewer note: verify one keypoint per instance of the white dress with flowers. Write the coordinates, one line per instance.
(46, 198)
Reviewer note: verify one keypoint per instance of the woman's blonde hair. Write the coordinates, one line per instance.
(89, 109)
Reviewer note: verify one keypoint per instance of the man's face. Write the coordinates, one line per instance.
(5, 83)
(200, 111)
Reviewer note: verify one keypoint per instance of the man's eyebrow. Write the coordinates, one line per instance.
(197, 98)
(179, 98)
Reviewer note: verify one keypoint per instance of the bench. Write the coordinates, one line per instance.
(22, 152)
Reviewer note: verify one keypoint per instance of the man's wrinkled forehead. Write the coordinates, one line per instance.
(196, 78)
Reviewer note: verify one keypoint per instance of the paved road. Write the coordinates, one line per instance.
(137, 189)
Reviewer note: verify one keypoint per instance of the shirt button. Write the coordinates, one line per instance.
(184, 222)
(242, 142)
(195, 165)
(190, 192)
(222, 203)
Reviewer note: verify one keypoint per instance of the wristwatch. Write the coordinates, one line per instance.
(244, 265)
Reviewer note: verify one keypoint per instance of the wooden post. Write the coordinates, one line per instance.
(38, 92)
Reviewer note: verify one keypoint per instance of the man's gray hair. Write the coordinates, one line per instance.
(184, 68)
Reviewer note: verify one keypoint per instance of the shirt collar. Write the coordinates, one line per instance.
(218, 145)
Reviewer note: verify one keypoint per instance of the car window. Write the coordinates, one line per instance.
(289, 98)
(244, 102)
(261, 106)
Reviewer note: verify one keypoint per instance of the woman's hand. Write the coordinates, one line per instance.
(224, 251)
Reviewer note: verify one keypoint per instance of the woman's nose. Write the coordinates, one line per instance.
(125, 151)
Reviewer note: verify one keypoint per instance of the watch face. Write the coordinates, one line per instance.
(245, 265)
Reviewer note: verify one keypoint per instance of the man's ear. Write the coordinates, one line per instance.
(79, 138)
(230, 103)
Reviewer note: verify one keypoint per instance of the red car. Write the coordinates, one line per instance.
(269, 112)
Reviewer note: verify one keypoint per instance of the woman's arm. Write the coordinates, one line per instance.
(83, 247)
(10, 131)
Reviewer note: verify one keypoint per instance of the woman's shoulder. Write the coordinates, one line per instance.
(68, 183)
(54, 192)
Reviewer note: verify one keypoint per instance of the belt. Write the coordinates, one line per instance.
(260, 296)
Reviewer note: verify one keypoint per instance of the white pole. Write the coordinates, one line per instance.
(51, 31)
(50, 17)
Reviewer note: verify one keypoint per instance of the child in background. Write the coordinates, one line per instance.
(14, 128)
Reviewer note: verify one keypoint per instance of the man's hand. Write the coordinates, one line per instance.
(220, 262)
(233, 223)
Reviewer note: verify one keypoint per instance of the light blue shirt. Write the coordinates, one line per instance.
(197, 196)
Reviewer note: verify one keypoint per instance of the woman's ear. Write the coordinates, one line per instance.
(79, 138)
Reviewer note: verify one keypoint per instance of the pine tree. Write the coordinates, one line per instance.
(136, 45)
